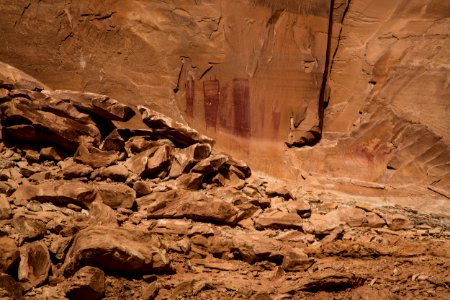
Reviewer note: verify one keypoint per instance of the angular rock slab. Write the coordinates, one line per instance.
(278, 220)
(9, 288)
(24, 121)
(99, 105)
(116, 250)
(116, 195)
(166, 127)
(195, 206)
(34, 264)
(87, 284)
(56, 192)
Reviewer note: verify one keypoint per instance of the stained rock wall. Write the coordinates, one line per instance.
(369, 79)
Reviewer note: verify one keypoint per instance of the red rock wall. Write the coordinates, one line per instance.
(250, 73)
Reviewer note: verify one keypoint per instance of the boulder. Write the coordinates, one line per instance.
(183, 159)
(137, 164)
(195, 206)
(116, 250)
(34, 264)
(88, 283)
(191, 181)
(374, 220)
(322, 224)
(355, 217)
(9, 254)
(59, 246)
(296, 260)
(114, 141)
(253, 247)
(278, 220)
(159, 162)
(116, 194)
(71, 169)
(101, 214)
(96, 158)
(52, 153)
(211, 164)
(25, 122)
(115, 172)
(56, 192)
(9, 288)
(166, 127)
(28, 227)
(5, 208)
(142, 188)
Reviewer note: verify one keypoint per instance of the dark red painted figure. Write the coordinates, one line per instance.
(190, 94)
(241, 105)
(211, 93)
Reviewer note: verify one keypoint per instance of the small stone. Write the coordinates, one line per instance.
(142, 188)
(115, 172)
(278, 190)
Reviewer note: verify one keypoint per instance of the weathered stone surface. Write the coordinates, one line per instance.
(29, 228)
(9, 254)
(278, 190)
(296, 260)
(398, 222)
(58, 192)
(45, 127)
(5, 208)
(254, 247)
(195, 206)
(331, 280)
(168, 128)
(34, 264)
(9, 288)
(116, 194)
(87, 283)
(138, 163)
(101, 214)
(301, 207)
(278, 219)
(211, 164)
(374, 220)
(322, 224)
(71, 169)
(96, 158)
(59, 247)
(116, 250)
(191, 181)
(183, 159)
(142, 188)
(159, 162)
(114, 141)
(355, 217)
(115, 172)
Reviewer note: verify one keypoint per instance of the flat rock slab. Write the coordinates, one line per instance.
(57, 192)
(166, 127)
(278, 220)
(116, 250)
(195, 206)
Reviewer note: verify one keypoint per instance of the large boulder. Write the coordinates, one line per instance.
(34, 264)
(116, 195)
(116, 250)
(24, 121)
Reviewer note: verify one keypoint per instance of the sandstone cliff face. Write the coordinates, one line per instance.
(251, 74)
